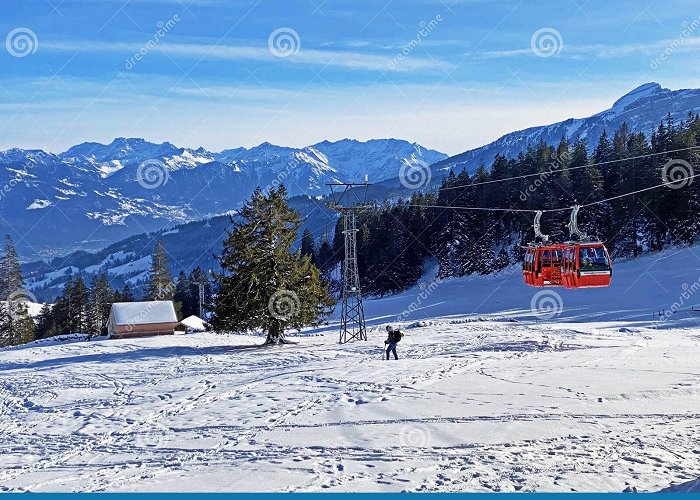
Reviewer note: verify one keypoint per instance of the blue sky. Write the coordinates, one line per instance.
(214, 76)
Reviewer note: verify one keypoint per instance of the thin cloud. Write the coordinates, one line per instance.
(342, 59)
(603, 51)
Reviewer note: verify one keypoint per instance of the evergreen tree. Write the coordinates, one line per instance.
(196, 278)
(126, 294)
(11, 280)
(502, 260)
(61, 309)
(482, 252)
(186, 295)
(16, 325)
(392, 262)
(160, 280)
(453, 240)
(328, 261)
(100, 303)
(326, 257)
(45, 324)
(307, 245)
(79, 306)
(264, 284)
(183, 298)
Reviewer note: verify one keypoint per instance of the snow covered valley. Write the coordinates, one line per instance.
(488, 395)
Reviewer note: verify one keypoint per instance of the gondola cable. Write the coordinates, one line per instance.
(537, 174)
(574, 264)
(563, 209)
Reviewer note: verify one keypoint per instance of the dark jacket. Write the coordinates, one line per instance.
(394, 336)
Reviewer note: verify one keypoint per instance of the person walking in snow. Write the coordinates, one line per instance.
(391, 341)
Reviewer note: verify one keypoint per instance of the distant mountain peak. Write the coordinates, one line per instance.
(641, 109)
(644, 90)
(268, 145)
(121, 148)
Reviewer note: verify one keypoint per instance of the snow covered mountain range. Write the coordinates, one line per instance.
(642, 109)
(88, 198)
(95, 194)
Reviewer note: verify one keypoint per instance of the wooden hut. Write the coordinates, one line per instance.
(141, 319)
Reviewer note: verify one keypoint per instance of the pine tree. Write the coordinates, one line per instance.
(100, 304)
(502, 260)
(481, 254)
(264, 284)
(326, 258)
(79, 300)
(182, 297)
(307, 245)
(187, 292)
(11, 280)
(328, 261)
(126, 294)
(196, 278)
(160, 280)
(16, 325)
(45, 323)
(450, 239)
(61, 309)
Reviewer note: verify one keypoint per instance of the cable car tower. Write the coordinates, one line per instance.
(348, 199)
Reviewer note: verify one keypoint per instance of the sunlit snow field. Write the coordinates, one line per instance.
(488, 395)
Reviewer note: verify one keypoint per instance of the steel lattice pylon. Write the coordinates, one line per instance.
(352, 321)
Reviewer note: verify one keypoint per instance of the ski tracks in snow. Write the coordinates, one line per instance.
(485, 406)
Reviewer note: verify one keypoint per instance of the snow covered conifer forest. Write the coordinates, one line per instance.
(398, 238)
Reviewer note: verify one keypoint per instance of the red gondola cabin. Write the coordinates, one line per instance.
(542, 265)
(586, 265)
(572, 265)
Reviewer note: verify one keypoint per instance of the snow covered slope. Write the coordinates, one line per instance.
(640, 289)
(642, 109)
(477, 402)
